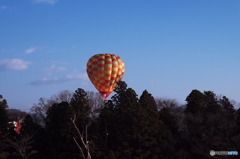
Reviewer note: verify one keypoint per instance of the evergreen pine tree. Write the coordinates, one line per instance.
(227, 106)
(3, 116)
(195, 102)
(28, 127)
(106, 130)
(126, 119)
(81, 108)
(59, 142)
(157, 138)
(212, 105)
(131, 127)
(211, 128)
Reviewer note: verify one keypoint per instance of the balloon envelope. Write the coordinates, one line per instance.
(104, 71)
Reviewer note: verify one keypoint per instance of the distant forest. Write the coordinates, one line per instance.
(81, 125)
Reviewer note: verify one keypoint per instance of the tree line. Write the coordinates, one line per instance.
(81, 125)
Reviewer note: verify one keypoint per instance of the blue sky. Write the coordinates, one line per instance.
(169, 47)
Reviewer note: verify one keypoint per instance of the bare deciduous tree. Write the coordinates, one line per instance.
(166, 103)
(4, 155)
(95, 102)
(63, 96)
(83, 136)
(3, 146)
(15, 114)
(21, 145)
(41, 108)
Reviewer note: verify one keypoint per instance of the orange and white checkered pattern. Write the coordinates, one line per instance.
(104, 71)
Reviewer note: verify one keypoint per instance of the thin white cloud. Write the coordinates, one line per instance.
(3, 7)
(50, 70)
(46, 1)
(30, 50)
(76, 76)
(13, 64)
(46, 81)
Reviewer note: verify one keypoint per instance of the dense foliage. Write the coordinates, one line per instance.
(81, 125)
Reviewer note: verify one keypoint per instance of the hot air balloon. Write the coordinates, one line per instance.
(104, 71)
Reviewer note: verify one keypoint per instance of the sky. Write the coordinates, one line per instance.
(169, 47)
